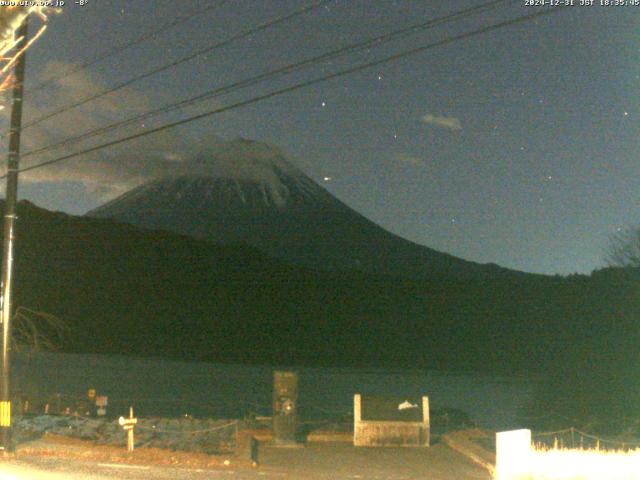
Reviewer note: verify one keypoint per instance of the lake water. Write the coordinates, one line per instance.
(157, 387)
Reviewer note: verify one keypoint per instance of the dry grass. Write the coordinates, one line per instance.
(581, 464)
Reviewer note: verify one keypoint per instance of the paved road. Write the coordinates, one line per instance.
(315, 462)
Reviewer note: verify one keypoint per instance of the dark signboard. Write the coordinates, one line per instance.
(391, 408)
(285, 407)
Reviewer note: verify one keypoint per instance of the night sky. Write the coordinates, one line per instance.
(518, 146)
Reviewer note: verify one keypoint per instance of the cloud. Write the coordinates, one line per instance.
(111, 171)
(410, 159)
(451, 123)
(113, 174)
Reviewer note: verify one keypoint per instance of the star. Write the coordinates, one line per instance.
(379, 76)
(324, 104)
(626, 114)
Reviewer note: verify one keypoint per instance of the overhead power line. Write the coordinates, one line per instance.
(155, 71)
(302, 85)
(226, 89)
(125, 46)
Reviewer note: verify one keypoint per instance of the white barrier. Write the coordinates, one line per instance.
(517, 459)
(513, 454)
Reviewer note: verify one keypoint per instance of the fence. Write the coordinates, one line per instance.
(571, 438)
(164, 422)
(186, 434)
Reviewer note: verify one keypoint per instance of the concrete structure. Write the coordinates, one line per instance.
(390, 421)
(513, 453)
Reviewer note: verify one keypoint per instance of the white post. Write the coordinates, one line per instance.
(426, 419)
(425, 410)
(130, 441)
(357, 417)
(127, 425)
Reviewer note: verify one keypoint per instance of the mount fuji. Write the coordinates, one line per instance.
(247, 192)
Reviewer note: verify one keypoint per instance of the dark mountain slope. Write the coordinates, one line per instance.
(247, 192)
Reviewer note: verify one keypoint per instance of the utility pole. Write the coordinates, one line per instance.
(6, 282)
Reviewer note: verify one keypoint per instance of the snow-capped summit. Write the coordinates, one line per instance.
(249, 192)
(240, 171)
